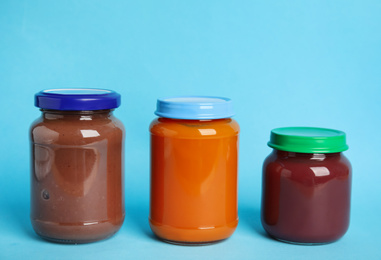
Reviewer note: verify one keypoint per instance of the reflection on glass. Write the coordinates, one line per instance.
(320, 171)
(318, 157)
(89, 133)
(207, 131)
(88, 118)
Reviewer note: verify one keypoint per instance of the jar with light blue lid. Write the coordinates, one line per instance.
(194, 167)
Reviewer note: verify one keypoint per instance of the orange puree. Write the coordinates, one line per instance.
(193, 179)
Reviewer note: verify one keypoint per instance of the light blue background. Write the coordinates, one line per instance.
(284, 63)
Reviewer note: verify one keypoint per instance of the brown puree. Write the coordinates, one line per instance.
(77, 191)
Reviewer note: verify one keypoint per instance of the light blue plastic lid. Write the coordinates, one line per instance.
(194, 107)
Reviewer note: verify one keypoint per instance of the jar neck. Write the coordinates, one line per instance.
(312, 156)
(192, 121)
(83, 114)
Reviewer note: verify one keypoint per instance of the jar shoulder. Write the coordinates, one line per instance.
(332, 165)
(194, 128)
(344, 160)
(45, 131)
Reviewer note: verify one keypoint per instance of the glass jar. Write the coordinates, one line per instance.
(306, 186)
(77, 184)
(194, 154)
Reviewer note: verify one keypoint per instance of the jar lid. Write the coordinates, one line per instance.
(77, 99)
(308, 140)
(194, 107)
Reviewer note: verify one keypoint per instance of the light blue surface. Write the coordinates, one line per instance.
(194, 107)
(283, 63)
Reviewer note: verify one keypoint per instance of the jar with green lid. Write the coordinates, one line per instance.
(306, 186)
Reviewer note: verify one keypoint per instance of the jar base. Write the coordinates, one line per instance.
(302, 243)
(74, 242)
(192, 236)
(182, 243)
(76, 233)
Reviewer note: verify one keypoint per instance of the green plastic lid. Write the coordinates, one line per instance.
(308, 140)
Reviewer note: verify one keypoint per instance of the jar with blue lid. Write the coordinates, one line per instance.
(194, 166)
(77, 165)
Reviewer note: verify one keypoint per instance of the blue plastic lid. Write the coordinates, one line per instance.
(77, 99)
(194, 107)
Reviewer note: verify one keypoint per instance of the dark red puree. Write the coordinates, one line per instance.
(306, 196)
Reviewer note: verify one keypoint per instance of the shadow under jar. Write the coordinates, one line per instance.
(77, 190)
(194, 155)
(306, 186)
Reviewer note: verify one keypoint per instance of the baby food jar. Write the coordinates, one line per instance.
(77, 189)
(306, 186)
(194, 153)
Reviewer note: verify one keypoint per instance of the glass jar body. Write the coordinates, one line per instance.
(77, 175)
(193, 179)
(306, 197)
